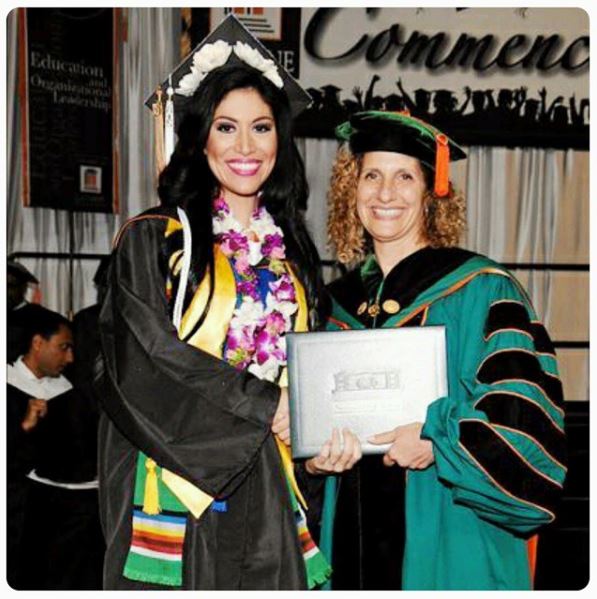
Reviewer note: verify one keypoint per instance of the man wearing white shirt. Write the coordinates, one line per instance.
(52, 502)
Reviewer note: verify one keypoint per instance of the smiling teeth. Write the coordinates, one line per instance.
(243, 166)
(387, 211)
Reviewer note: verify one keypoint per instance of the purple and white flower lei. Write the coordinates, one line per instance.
(256, 335)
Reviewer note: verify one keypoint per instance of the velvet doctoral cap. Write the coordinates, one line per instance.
(380, 131)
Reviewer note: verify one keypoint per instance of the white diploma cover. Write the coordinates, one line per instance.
(368, 381)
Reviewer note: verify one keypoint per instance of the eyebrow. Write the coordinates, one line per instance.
(229, 118)
(402, 169)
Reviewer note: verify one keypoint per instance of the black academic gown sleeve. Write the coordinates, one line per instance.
(191, 412)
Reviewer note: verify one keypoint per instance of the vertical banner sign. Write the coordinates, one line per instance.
(69, 107)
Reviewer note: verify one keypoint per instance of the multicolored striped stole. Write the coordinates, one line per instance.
(159, 523)
(156, 549)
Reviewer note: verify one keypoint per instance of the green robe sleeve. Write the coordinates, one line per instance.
(498, 439)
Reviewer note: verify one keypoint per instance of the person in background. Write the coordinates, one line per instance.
(456, 499)
(52, 466)
(24, 409)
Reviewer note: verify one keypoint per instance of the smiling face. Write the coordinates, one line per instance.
(242, 146)
(390, 199)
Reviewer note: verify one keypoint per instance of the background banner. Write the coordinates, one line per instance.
(69, 109)
(487, 76)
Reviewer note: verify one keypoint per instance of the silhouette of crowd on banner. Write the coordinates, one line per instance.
(483, 117)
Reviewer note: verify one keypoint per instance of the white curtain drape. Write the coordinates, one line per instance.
(539, 214)
(148, 54)
(319, 156)
(512, 205)
(487, 213)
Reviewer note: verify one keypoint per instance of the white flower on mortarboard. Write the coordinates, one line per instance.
(212, 56)
(254, 58)
(208, 58)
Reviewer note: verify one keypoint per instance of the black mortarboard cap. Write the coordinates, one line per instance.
(231, 31)
(19, 271)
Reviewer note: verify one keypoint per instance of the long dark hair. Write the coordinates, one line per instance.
(188, 182)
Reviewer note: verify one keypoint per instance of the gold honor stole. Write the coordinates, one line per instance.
(210, 337)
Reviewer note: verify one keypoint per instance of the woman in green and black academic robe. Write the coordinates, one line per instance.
(195, 490)
(456, 500)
